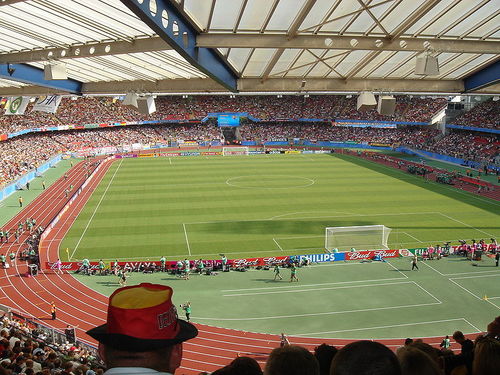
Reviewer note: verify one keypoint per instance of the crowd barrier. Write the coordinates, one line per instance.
(21, 182)
(243, 262)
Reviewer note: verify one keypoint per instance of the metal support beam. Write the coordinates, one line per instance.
(31, 75)
(277, 85)
(294, 27)
(150, 44)
(483, 78)
(414, 17)
(350, 86)
(345, 43)
(178, 31)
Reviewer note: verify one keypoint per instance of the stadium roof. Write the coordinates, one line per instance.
(249, 46)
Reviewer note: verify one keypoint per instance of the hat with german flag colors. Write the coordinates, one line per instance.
(142, 318)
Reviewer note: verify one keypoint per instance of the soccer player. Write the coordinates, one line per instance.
(187, 310)
(414, 262)
(293, 273)
(101, 267)
(277, 273)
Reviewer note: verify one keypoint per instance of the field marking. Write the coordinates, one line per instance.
(467, 225)
(474, 277)
(426, 291)
(432, 268)
(321, 313)
(415, 238)
(382, 327)
(397, 269)
(313, 285)
(310, 290)
(95, 210)
(458, 273)
(463, 288)
(314, 217)
(187, 241)
(477, 329)
(306, 212)
(276, 242)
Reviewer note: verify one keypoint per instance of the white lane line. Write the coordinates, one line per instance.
(316, 290)
(472, 325)
(321, 313)
(415, 238)
(425, 290)
(468, 225)
(390, 264)
(312, 285)
(187, 240)
(277, 244)
(95, 210)
(380, 327)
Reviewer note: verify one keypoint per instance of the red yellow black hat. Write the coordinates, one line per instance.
(142, 318)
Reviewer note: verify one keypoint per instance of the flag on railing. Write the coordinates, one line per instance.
(16, 105)
(47, 104)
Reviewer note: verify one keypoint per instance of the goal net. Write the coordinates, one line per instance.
(237, 150)
(363, 237)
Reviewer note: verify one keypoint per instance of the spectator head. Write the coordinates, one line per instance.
(365, 358)
(486, 356)
(408, 341)
(291, 360)
(324, 354)
(245, 366)
(416, 362)
(458, 336)
(143, 329)
(494, 327)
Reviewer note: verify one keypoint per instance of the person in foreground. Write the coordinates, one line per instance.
(143, 334)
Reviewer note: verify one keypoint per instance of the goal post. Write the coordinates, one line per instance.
(361, 237)
(235, 150)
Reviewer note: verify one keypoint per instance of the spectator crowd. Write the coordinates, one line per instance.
(93, 110)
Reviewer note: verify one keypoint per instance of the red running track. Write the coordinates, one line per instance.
(77, 305)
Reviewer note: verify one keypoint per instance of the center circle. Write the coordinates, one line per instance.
(269, 181)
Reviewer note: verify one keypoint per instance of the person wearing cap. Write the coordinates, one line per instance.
(142, 333)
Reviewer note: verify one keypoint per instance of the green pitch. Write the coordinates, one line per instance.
(264, 205)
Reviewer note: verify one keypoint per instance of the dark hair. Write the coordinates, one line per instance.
(245, 366)
(365, 358)
(324, 354)
(291, 360)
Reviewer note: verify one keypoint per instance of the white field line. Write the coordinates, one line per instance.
(314, 217)
(390, 264)
(474, 277)
(426, 291)
(321, 313)
(187, 240)
(415, 238)
(471, 273)
(432, 268)
(95, 210)
(277, 244)
(312, 285)
(467, 225)
(305, 212)
(472, 325)
(467, 290)
(381, 327)
(314, 290)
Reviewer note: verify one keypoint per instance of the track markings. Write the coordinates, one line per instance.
(95, 210)
(382, 327)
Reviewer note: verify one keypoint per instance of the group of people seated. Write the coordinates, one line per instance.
(92, 110)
